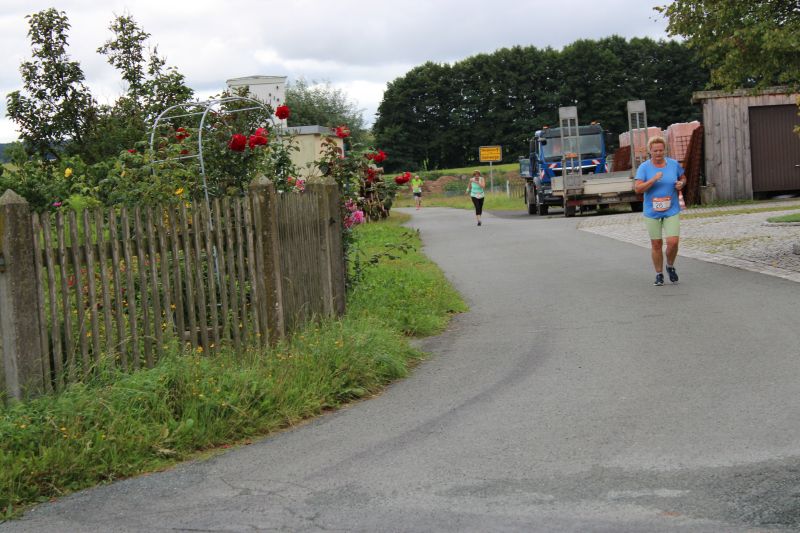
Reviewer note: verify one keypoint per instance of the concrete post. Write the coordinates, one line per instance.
(263, 194)
(20, 346)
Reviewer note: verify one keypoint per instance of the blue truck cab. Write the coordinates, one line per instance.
(545, 159)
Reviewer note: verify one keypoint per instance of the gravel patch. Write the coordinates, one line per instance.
(744, 241)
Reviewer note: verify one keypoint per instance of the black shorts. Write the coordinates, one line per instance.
(418, 194)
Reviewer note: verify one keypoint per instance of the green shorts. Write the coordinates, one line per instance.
(670, 226)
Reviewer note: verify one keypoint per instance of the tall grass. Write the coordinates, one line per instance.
(119, 425)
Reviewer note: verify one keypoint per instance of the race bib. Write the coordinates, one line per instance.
(662, 204)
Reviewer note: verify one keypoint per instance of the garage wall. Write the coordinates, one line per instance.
(726, 118)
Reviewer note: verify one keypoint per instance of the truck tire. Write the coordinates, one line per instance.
(530, 202)
(569, 211)
(637, 207)
(543, 210)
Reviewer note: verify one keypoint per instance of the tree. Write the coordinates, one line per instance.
(321, 104)
(437, 115)
(744, 44)
(54, 106)
(151, 87)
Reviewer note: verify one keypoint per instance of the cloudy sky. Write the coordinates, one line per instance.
(357, 46)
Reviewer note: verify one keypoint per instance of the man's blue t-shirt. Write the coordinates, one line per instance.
(663, 188)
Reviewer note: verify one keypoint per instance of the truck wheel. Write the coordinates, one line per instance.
(637, 207)
(543, 210)
(569, 211)
(530, 202)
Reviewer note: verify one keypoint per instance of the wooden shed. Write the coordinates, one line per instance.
(751, 149)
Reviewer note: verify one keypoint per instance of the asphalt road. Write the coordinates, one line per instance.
(574, 396)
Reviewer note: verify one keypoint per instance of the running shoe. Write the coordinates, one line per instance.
(673, 275)
(659, 279)
(479, 222)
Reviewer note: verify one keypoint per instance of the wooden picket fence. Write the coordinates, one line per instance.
(118, 285)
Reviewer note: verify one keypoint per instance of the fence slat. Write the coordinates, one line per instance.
(119, 313)
(55, 321)
(37, 264)
(88, 252)
(166, 286)
(256, 281)
(221, 269)
(130, 288)
(142, 267)
(242, 279)
(213, 271)
(80, 308)
(188, 272)
(156, 299)
(197, 231)
(234, 294)
(67, 308)
(99, 227)
(174, 224)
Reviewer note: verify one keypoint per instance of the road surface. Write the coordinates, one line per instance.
(574, 396)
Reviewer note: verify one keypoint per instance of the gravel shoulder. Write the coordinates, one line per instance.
(745, 241)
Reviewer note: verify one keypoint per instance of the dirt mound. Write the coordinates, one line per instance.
(437, 186)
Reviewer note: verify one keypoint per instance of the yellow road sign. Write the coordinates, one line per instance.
(490, 154)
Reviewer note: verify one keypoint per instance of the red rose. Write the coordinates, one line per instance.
(256, 140)
(402, 178)
(181, 134)
(380, 157)
(131, 150)
(184, 152)
(261, 132)
(238, 142)
(283, 112)
(342, 131)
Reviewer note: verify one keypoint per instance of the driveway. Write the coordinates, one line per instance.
(574, 396)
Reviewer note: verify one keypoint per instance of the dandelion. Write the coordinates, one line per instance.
(199, 349)
(178, 191)
(68, 172)
(22, 426)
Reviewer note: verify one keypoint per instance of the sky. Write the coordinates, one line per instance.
(355, 45)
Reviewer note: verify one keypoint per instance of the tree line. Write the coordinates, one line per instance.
(437, 115)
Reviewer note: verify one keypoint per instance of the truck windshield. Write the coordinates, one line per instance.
(591, 146)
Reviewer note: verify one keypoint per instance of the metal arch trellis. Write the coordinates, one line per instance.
(202, 108)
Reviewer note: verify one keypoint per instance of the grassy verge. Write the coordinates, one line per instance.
(497, 201)
(795, 217)
(121, 425)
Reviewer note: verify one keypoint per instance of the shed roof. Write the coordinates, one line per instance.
(699, 96)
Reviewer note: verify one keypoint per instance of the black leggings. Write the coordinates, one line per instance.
(478, 202)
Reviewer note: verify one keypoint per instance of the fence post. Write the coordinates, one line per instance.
(265, 211)
(20, 342)
(336, 249)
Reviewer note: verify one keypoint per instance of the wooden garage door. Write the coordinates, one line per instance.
(775, 148)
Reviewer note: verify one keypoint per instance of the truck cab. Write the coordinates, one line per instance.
(546, 158)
